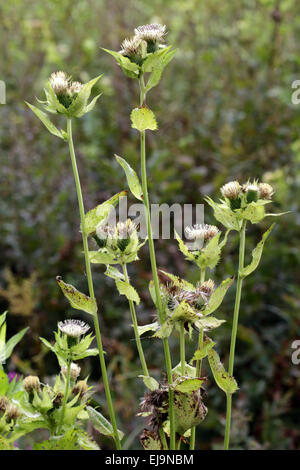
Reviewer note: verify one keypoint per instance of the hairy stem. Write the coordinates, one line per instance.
(91, 286)
(198, 364)
(135, 327)
(61, 420)
(239, 286)
(154, 272)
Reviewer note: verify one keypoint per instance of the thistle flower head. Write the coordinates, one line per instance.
(12, 412)
(75, 88)
(207, 287)
(31, 383)
(59, 82)
(131, 48)
(231, 190)
(251, 190)
(265, 191)
(151, 32)
(73, 328)
(74, 371)
(4, 403)
(80, 388)
(201, 232)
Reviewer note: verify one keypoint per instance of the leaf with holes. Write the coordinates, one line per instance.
(224, 381)
(142, 119)
(77, 299)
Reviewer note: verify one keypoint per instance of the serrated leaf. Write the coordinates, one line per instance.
(177, 281)
(202, 352)
(150, 327)
(143, 118)
(217, 296)
(150, 382)
(208, 323)
(102, 257)
(128, 290)
(125, 63)
(101, 424)
(253, 212)
(184, 312)
(189, 385)
(165, 330)
(225, 215)
(224, 381)
(158, 70)
(189, 371)
(45, 120)
(209, 256)
(132, 178)
(114, 273)
(77, 299)
(78, 106)
(256, 254)
(101, 212)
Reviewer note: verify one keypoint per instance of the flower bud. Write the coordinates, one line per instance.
(132, 48)
(251, 192)
(265, 191)
(31, 383)
(4, 403)
(207, 287)
(59, 82)
(12, 413)
(80, 388)
(74, 371)
(232, 191)
(153, 34)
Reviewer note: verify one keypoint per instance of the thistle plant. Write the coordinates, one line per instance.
(63, 96)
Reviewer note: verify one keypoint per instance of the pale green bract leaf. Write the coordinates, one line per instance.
(177, 281)
(256, 254)
(45, 120)
(79, 106)
(128, 290)
(102, 257)
(145, 328)
(150, 382)
(184, 312)
(101, 212)
(224, 381)
(132, 178)
(11, 343)
(224, 215)
(90, 106)
(189, 371)
(132, 69)
(209, 256)
(189, 385)
(77, 299)
(165, 330)
(154, 60)
(253, 212)
(159, 67)
(217, 296)
(208, 323)
(3, 382)
(114, 273)
(143, 118)
(101, 424)
(202, 352)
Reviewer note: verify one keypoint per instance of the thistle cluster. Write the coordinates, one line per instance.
(120, 243)
(147, 39)
(238, 196)
(65, 89)
(9, 414)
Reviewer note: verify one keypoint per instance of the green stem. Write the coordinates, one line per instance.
(65, 398)
(182, 349)
(163, 438)
(198, 364)
(154, 272)
(135, 327)
(91, 286)
(239, 286)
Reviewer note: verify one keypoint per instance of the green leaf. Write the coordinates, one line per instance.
(177, 281)
(45, 120)
(150, 382)
(79, 105)
(253, 212)
(165, 330)
(128, 290)
(132, 178)
(209, 256)
(189, 385)
(101, 212)
(202, 352)
(184, 312)
(114, 273)
(12, 342)
(225, 215)
(142, 119)
(101, 424)
(256, 254)
(3, 383)
(132, 69)
(208, 323)
(217, 296)
(159, 67)
(224, 381)
(189, 371)
(77, 299)
(102, 257)
(150, 327)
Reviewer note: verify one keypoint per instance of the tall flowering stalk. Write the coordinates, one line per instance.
(71, 99)
(145, 54)
(241, 204)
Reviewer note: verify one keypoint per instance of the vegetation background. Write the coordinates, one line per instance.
(224, 112)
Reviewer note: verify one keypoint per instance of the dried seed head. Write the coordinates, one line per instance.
(74, 371)
(231, 190)
(12, 412)
(31, 383)
(156, 404)
(151, 32)
(131, 47)
(4, 403)
(207, 287)
(75, 88)
(80, 388)
(201, 231)
(59, 82)
(73, 328)
(265, 191)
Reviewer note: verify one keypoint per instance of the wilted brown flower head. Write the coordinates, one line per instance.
(80, 388)
(31, 383)
(4, 402)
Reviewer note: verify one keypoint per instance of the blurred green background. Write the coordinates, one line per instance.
(224, 112)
